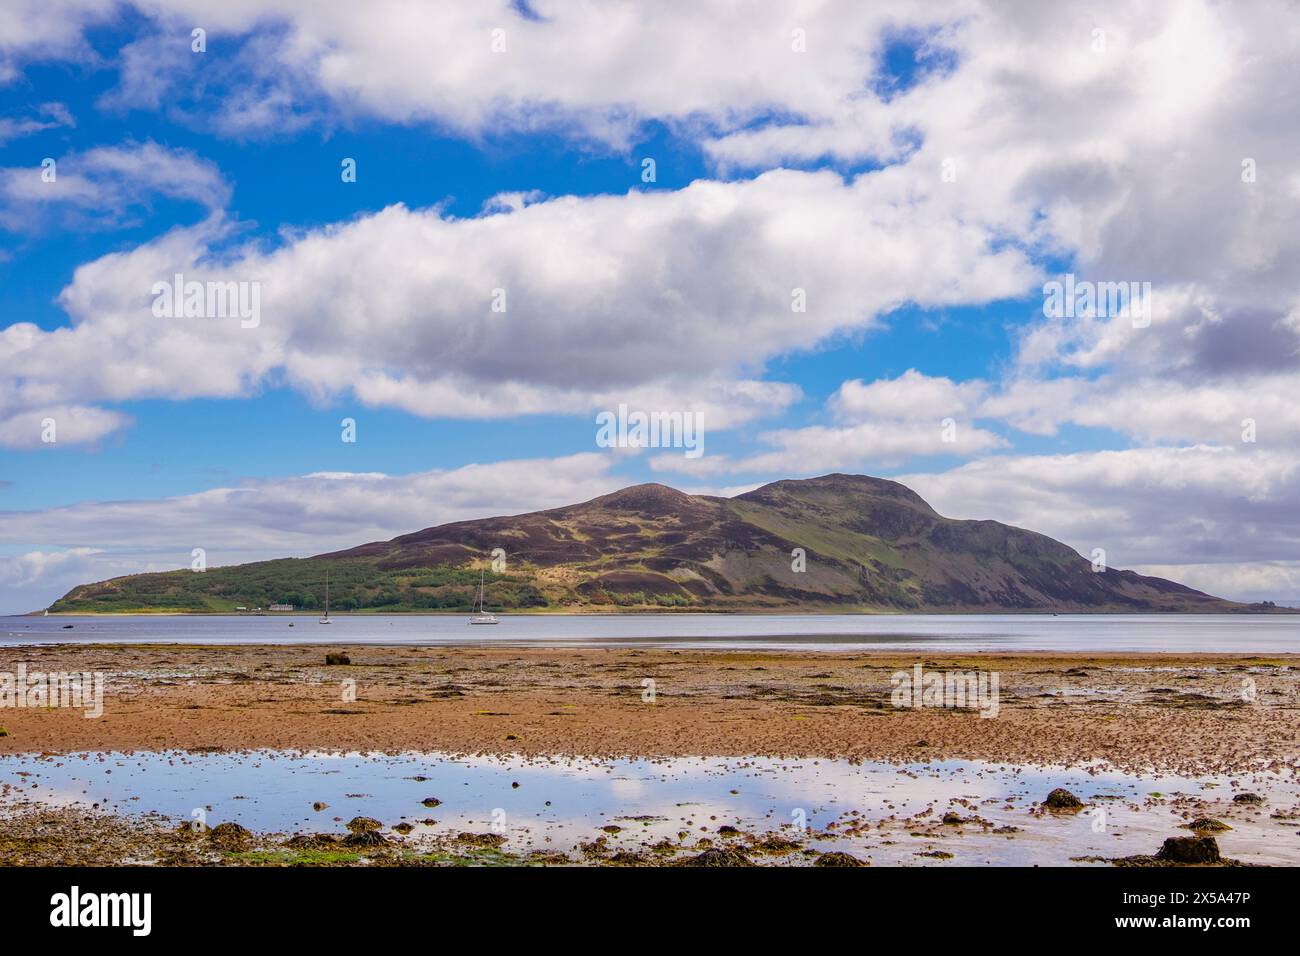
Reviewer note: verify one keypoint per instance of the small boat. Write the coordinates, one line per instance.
(326, 618)
(481, 616)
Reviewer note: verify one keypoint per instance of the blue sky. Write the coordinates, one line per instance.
(825, 168)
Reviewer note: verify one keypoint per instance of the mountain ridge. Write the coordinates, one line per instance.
(835, 542)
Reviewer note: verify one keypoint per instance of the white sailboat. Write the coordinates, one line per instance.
(326, 618)
(481, 616)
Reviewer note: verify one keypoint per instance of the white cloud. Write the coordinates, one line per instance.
(28, 569)
(32, 30)
(883, 424)
(596, 70)
(101, 187)
(58, 425)
(661, 299)
(43, 117)
(909, 397)
(1278, 582)
(1125, 155)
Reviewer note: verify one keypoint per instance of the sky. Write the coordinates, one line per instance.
(833, 236)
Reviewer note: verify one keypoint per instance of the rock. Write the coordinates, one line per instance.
(230, 836)
(189, 828)
(1207, 824)
(490, 840)
(953, 819)
(717, 856)
(364, 825)
(1197, 849)
(836, 858)
(726, 830)
(1247, 798)
(773, 844)
(337, 657)
(612, 828)
(403, 828)
(626, 858)
(1062, 799)
(364, 838)
(318, 806)
(431, 802)
(312, 841)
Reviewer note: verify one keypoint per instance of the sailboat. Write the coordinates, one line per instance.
(481, 616)
(326, 618)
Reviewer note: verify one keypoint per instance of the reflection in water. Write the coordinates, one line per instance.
(888, 813)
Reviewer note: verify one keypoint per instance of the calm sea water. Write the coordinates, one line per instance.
(1208, 633)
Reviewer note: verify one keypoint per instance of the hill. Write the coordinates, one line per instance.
(868, 544)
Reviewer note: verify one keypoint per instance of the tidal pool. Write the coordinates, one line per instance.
(887, 813)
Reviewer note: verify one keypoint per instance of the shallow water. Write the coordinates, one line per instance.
(1100, 633)
(895, 810)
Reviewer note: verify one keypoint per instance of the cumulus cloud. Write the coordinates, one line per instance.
(660, 299)
(594, 70)
(1120, 143)
(909, 397)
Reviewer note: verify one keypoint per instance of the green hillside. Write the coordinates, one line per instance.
(867, 544)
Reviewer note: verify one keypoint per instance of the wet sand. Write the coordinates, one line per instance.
(1190, 714)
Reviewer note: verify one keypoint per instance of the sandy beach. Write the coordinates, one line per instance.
(1189, 714)
(1209, 727)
